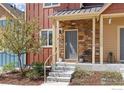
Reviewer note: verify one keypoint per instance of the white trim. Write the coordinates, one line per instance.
(51, 6)
(101, 39)
(64, 43)
(93, 39)
(118, 43)
(113, 15)
(46, 29)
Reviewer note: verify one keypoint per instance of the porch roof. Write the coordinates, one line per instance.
(75, 14)
(78, 11)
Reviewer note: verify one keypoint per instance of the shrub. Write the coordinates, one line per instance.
(38, 67)
(9, 67)
(36, 72)
(33, 75)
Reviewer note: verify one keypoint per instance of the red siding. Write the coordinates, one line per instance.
(42, 56)
(36, 11)
(44, 13)
(115, 8)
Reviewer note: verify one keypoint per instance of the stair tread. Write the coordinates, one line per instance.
(61, 72)
(65, 63)
(58, 77)
(67, 72)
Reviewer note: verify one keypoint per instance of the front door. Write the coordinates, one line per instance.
(122, 44)
(71, 44)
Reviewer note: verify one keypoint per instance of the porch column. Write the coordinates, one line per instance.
(57, 39)
(101, 40)
(93, 40)
(54, 41)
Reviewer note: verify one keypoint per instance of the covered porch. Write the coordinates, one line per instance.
(75, 33)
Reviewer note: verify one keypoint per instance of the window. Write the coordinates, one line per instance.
(46, 36)
(47, 5)
(2, 23)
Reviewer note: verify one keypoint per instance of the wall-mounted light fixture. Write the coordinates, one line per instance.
(110, 20)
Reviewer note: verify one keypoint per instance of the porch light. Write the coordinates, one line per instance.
(110, 20)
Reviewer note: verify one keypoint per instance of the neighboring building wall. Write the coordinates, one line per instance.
(4, 14)
(36, 11)
(110, 36)
(115, 8)
(110, 30)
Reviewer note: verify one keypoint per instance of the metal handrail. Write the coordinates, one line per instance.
(45, 66)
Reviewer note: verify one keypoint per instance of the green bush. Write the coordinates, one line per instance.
(37, 71)
(38, 67)
(33, 75)
(9, 67)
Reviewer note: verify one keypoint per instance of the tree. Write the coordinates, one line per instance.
(20, 37)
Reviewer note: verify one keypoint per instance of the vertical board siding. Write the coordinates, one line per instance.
(43, 55)
(6, 58)
(45, 23)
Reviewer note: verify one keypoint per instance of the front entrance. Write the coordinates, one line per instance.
(122, 44)
(71, 44)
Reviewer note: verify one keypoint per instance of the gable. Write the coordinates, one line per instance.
(4, 13)
(115, 8)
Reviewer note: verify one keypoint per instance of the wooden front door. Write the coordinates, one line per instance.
(71, 44)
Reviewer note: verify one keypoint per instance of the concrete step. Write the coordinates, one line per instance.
(65, 64)
(61, 74)
(64, 68)
(58, 79)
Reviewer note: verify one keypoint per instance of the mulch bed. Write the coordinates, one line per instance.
(93, 79)
(17, 79)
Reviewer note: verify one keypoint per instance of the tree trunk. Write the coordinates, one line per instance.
(20, 63)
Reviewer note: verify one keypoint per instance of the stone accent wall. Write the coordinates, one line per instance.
(84, 35)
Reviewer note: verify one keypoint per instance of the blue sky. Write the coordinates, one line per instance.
(20, 6)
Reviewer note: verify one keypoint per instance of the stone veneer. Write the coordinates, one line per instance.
(84, 36)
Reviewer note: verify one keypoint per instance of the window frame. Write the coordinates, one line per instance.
(51, 6)
(1, 19)
(46, 30)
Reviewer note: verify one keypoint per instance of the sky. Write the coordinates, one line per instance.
(20, 6)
